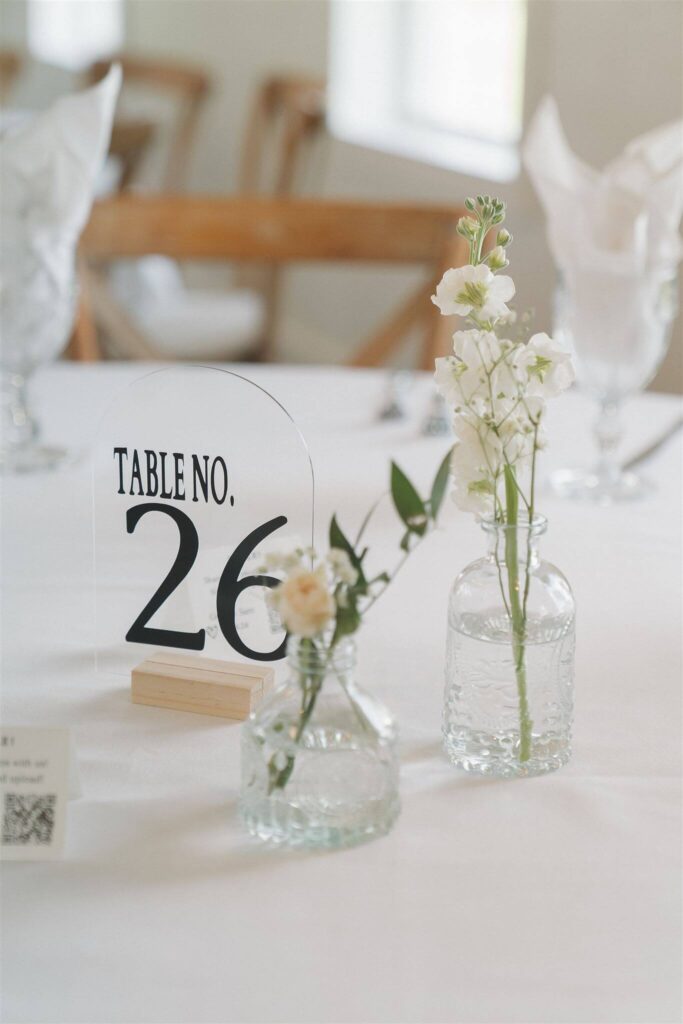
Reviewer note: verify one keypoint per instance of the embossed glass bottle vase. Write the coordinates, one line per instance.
(319, 766)
(510, 659)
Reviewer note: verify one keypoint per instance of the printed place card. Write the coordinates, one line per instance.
(34, 789)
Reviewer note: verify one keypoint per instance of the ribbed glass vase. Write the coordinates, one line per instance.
(510, 659)
(319, 766)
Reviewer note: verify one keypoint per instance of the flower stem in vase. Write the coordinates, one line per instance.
(517, 612)
(278, 778)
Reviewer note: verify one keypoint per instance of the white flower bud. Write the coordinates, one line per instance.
(467, 227)
(497, 259)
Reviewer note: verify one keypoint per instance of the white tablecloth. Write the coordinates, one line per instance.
(543, 900)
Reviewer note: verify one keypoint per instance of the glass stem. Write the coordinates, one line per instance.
(608, 432)
(517, 612)
(19, 429)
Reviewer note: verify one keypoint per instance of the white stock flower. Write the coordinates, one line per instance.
(481, 444)
(462, 379)
(340, 564)
(468, 289)
(480, 349)
(304, 602)
(548, 367)
(516, 434)
(475, 465)
(447, 373)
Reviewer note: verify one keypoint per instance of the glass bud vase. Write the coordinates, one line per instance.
(319, 765)
(510, 659)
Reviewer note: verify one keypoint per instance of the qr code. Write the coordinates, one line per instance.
(28, 819)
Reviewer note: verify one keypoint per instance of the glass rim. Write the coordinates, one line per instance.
(536, 526)
(343, 656)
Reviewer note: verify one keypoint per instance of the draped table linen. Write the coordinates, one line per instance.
(554, 899)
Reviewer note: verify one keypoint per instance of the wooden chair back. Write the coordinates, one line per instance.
(288, 111)
(130, 142)
(10, 65)
(188, 85)
(286, 117)
(277, 231)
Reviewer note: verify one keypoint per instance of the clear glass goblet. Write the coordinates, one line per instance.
(37, 308)
(618, 327)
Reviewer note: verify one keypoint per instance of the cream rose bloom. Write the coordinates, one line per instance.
(304, 602)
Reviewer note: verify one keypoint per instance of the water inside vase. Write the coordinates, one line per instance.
(481, 725)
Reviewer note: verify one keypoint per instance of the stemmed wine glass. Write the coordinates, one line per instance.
(37, 306)
(618, 327)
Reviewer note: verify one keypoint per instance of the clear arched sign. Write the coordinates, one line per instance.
(196, 473)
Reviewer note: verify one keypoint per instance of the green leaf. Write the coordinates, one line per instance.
(408, 502)
(338, 539)
(439, 485)
(348, 620)
(368, 517)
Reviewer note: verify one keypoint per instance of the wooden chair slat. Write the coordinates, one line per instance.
(277, 232)
(267, 230)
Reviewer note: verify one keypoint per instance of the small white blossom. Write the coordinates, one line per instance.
(477, 290)
(283, 554)
(477, 348)
(282, 561)
(516, 434)
(447, 376)
(548, 367)
(475, 465)
(462, 378)
(340, 563)
(474, 486)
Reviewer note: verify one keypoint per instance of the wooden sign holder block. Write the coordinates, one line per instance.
(182, 682)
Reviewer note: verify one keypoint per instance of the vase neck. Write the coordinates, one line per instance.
(313, 659)
(520, 541)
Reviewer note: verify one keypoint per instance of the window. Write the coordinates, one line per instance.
(73, 33)
(436, 80)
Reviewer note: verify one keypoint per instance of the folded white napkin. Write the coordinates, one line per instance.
(48, 167)
(627, 215)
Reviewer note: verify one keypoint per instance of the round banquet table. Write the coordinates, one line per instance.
(541, 900)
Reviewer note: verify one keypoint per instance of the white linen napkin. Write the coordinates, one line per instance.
(49, 163)
(627, 214)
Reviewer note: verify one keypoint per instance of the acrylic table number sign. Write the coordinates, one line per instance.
(196, 473)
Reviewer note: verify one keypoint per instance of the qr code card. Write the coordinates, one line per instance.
(34, 788)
